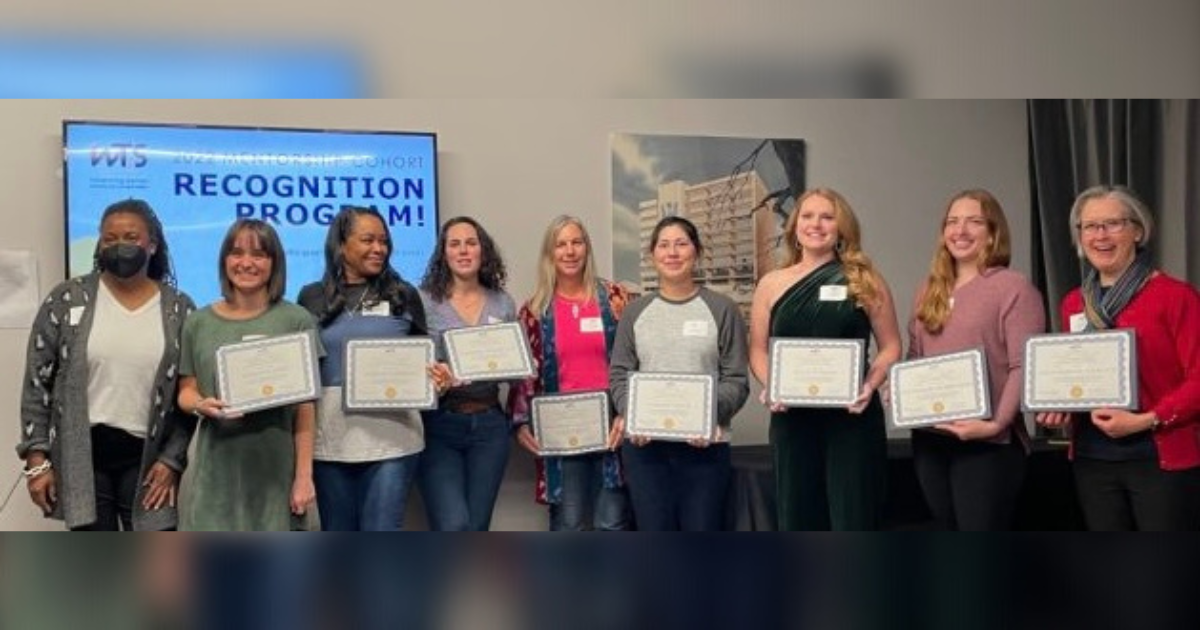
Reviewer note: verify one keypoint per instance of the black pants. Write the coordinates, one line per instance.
(116, 462)
(969, 486)
(1137, 495)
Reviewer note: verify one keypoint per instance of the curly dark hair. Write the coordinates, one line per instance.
(438, 277)
(159, 268)
(387, 286)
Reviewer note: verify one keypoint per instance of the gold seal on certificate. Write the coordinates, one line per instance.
(266, 373)
(815, 372)
(388, 373)
(570, 424)
(939, 389)
(1080, 371)
(495, 352)
(676, 407)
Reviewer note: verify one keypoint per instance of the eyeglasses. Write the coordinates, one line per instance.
(1107, 226)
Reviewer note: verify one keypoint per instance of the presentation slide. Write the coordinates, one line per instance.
(201, 179)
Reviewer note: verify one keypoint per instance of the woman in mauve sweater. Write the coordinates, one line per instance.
(971, 470)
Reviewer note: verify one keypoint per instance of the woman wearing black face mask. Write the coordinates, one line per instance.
(103, 443)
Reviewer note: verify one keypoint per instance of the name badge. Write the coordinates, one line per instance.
(1079, 322)
(591, 325)
(253, 337)
(952, 304)
(695, 328)
(75, 315)
(382, 309)
(833, 293)
(494, 320)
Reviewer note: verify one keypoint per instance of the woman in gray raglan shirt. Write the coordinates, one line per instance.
(682, 328)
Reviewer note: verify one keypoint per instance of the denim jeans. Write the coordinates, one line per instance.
(462, 467)
(586, 503)
(364, 496)
(675, 486)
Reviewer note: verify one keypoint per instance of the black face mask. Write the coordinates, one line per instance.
(123, 260)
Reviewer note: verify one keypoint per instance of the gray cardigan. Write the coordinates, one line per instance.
(54, 406)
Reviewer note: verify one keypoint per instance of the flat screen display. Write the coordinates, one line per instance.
(200, 179)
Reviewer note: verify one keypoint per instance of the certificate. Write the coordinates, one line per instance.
(571, 424)
(266, 373)
(815, 372)
(495, 352)
(940, 389)
(388, 374)
(1080, 372)
(676, 407)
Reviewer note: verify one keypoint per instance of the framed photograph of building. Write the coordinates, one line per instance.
(738, 192)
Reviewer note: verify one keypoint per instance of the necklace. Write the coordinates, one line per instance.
(575, 302)
(359, 308)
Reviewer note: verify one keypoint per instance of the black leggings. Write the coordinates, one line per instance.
(970, 486)
(116, 462)
(1137, 496)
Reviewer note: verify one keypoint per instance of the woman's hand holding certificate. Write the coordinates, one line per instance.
(677, 407)
(570, 424)
(266, 373)
(815, 372)
(1080, 371)
(939, 389)
(495, 352)
(389, 373)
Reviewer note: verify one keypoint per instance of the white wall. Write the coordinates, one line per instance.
(516, 163)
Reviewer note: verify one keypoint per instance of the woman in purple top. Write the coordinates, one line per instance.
(971, 470)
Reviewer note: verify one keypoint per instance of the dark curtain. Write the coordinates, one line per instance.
(1073, 145)
(1149, 146)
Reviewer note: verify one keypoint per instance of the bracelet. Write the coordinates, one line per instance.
(38, 470)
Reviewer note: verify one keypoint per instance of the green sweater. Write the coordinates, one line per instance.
(241, 479)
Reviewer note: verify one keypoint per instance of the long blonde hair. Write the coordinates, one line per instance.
(861, 277)
(543, 292)
(934, 309)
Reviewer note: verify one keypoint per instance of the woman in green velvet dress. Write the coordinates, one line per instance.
(830, 463)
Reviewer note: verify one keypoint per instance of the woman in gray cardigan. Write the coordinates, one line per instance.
(102, 441)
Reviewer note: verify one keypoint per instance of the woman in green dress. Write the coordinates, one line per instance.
(830, 463)
(252, 471)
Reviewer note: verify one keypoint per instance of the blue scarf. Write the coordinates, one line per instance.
(1102, 312)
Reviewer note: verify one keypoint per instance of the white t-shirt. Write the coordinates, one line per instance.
(125, 349)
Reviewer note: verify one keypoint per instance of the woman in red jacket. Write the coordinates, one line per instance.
(1135, 470)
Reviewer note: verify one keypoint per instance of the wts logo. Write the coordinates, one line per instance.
(123, 154)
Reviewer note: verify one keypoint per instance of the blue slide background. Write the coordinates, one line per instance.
(108, 162)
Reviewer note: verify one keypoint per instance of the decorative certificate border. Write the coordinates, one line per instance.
(312, 377)
(979, 377)
(1126, 367)
(777, 344)
(599, 399)
(350, 402)
(709, 384)
(524, 371)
